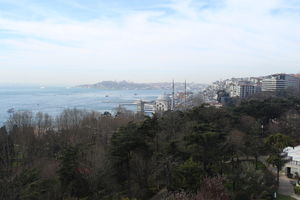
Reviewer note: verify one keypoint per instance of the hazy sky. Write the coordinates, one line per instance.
(85, 41)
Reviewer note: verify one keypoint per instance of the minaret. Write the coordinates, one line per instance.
(173, 96)
(185, 94)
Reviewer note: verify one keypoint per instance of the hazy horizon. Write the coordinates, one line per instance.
(74, 42)
(88, 83)
(15, 84)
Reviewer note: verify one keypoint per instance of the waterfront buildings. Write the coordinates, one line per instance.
(163, 103)
(246, 87)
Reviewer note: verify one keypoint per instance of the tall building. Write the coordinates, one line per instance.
(246, 90)
(242, 89)
(279, 82)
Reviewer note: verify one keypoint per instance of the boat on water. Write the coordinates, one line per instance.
(106, 96)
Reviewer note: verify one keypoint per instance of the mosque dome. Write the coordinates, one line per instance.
(164, 98)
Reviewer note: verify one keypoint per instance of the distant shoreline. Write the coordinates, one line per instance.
(125, 85)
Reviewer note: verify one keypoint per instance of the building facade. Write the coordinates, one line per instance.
(292, 155)
(278, 82)
(242, 89)
(163, 103)
(246, 90)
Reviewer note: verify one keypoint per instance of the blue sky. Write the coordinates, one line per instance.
(71, 42)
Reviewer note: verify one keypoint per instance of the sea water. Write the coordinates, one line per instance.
(53, 100)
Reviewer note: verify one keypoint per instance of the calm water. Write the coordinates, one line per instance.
(54, 100)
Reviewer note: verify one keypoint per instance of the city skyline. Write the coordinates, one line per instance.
(74, 42)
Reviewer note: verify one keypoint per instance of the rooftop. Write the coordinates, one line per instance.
(293, 152)
(164, 97)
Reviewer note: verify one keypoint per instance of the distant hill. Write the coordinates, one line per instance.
(125, 85)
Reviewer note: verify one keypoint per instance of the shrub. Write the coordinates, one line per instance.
(297, 189)
(213, 189)
(179, 196)
(242, 195)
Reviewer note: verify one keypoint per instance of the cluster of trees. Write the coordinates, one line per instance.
(204, 153)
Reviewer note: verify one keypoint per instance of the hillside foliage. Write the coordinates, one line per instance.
(204, 153)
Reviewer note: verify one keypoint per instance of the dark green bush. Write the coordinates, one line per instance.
(297, 189)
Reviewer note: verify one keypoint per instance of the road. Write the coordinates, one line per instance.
(285, 187)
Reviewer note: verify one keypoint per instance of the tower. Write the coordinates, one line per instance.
(185, 93)
(141, 106)
(173, 96)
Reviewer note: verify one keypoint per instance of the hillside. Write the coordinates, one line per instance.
(125, 85)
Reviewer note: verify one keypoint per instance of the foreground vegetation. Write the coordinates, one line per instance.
(204, 153)
(283, 197)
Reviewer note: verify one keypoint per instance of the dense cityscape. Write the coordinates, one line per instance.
(218, 93)
(246, 87)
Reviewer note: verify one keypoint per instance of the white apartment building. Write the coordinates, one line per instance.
(279, 82)
(242, 89)
(293, 157)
